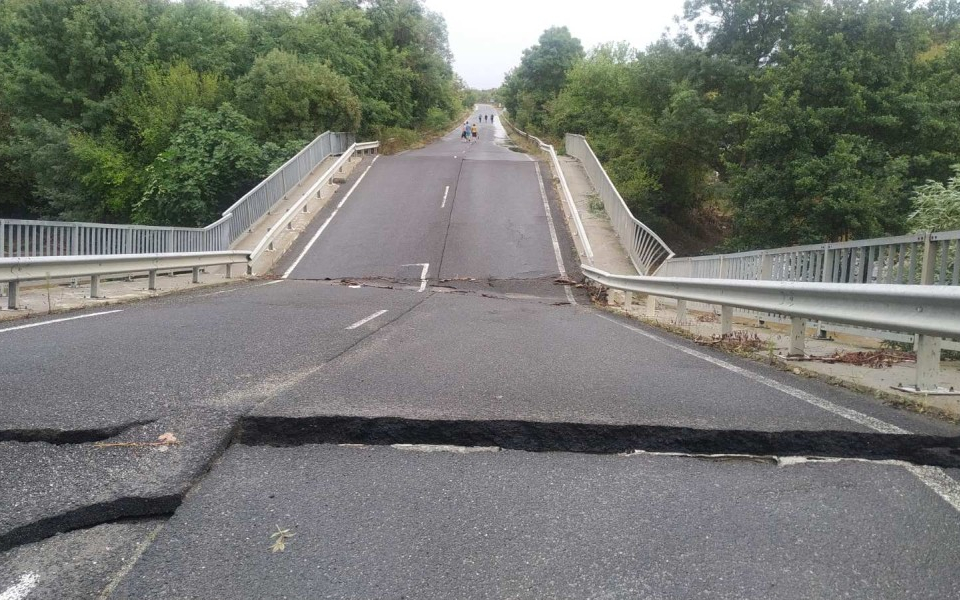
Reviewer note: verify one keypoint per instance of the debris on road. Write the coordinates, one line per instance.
(280, 539)
(875, 359)
(736, 341)
(167, 439)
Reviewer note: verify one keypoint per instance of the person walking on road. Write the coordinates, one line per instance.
(465, 133)
(473, 132)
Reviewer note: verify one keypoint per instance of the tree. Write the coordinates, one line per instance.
(206, 34)
(751, 32)
(541, 75)
(155, 104)
(294, 99)
(936, 207)
(212, 159)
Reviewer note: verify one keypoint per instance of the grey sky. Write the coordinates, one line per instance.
(488, 38)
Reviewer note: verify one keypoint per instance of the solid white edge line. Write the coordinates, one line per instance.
(316, 236)
(553, 236)
(367, 320)
(21, 589)
(937, 480)
(51, 322)
(851, 415)
(934, 478)
(446, 191)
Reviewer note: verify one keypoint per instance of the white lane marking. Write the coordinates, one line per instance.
(849, 414)
(51, 322)
(367, 320)
(945, 486)
(446, 191)
(553, 237)
(242, 288)
(423, 274)
(218, 293)
(934, 478)
(19, 590)
(316, 236)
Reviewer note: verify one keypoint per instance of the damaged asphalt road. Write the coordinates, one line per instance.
(531, 409)
(379, 522)
(47, 488)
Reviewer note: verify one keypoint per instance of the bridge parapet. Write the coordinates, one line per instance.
(29, 238)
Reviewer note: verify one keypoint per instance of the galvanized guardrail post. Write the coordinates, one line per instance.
(12, 289)
(932, 311)
(928, 347)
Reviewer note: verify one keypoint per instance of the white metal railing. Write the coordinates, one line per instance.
(916, 259)
(301, 205)
(568, 197)
(644, 247)
(931, 312)
(257, 202)
(26, 238)
(14, 271)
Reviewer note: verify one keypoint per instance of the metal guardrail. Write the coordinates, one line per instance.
(917, 259)
(14, 271)
(257, 202)
(931, 312)
(26, 238)
(302, 205)
(572, 207)
(644, 247)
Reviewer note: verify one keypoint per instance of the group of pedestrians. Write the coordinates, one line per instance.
(470, 132)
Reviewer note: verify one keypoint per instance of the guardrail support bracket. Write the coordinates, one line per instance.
(651, 307)
(94, 286)
(627, 300)
(928, 362)
(228, 271)
(152, 280)
(797, 334)
(681, 312)
(12, 291)
(196, 275)
(726, 320)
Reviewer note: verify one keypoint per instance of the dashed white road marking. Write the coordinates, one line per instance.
(367, 319)
(51, 322)
(553, 237)
(423, 274)
(240, 288)
(221, 292)
(934, 478)
(316, 236)
(446, 191)
(19, 590)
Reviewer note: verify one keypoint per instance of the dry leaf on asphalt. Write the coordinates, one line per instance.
(280, 539)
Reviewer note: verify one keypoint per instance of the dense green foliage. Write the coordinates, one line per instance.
(165, 112)
(936, 206)
(802, 121)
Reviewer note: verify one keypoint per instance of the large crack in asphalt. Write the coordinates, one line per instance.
(69, 436)
(529, 436)
(538, 436)
(91, 515)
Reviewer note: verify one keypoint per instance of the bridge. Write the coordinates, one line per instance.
(420, 399)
